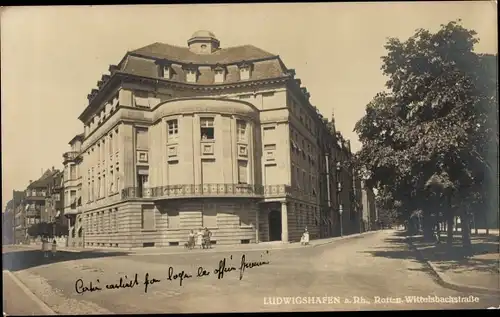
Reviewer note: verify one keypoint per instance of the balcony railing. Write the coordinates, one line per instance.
(272, 191)
(69, 156)
(36, 195)
(216, 190)
(189, 190)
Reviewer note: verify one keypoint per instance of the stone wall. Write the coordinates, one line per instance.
(231, 221)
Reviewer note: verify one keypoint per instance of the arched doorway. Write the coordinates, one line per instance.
(274, 225)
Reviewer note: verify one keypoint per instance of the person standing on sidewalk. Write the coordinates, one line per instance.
(45, 247)
(54, 247)
(199, 238)
(305, 237)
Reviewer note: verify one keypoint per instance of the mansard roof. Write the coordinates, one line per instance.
(230, 55)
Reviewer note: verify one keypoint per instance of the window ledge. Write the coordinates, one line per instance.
(149, 230)
(207, 140)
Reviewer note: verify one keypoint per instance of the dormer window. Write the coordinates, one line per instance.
(191, 75)
(166, 71)
(245, 70)
(220, 75)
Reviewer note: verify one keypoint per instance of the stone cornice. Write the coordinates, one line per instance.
(97, 96)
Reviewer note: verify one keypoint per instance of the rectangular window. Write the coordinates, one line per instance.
(207, 128)
(104, 185)
(172, 129)
(111, 182)
(98, 187)
(110, 220)
(89, 197)
(111, 146)
(242, 172)
(117, 183)
(141, 138)
(115, 225)
(147, 218)
(165, 71)
(241, 127)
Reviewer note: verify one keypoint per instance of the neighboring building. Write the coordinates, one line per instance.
(54, 202)
(72, 193)
(8, 223)
(37, 202)
(19, 216)
(178, 138)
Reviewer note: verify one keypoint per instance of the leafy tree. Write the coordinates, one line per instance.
(425, 141)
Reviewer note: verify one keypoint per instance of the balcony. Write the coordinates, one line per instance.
(32, 212)
(74, 207)
(217, 190)
(282, 191)
(192, 191)
(36, 195)
(70, 156)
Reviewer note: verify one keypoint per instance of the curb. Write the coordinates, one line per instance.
(444, 281)
(34, 248)
(46, 309)
(357, 235)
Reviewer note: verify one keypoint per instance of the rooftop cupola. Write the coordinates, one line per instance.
(203, 42)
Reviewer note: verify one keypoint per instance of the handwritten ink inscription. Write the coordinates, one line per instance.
(172, 275)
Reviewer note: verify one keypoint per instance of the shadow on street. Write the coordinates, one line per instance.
(484, 256)
(22, 260)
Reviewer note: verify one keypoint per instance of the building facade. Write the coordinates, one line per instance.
(73, 191)
(176, 139)
(8, 223)
(19, 216)
(39, 203)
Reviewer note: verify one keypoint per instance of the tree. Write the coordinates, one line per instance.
(425, 141)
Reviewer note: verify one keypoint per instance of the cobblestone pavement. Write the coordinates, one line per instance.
(363, 269)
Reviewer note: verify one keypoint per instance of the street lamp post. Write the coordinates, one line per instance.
(341, 224)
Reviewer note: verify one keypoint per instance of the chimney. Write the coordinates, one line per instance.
(30, 181)
(53, 169)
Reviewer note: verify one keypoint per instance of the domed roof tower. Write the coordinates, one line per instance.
(203, 42)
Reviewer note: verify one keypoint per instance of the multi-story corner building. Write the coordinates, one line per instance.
(179, 138)
(73, 191)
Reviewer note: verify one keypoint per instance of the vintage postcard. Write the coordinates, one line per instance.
(211, 158)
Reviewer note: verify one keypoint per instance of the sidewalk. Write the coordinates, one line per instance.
(477, 273)
(263, 246)
(19, 300)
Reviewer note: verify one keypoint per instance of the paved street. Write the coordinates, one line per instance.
(377, 266)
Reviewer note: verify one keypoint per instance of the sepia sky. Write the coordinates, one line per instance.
(51, 58)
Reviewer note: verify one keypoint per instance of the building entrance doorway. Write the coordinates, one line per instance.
(274, 225)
